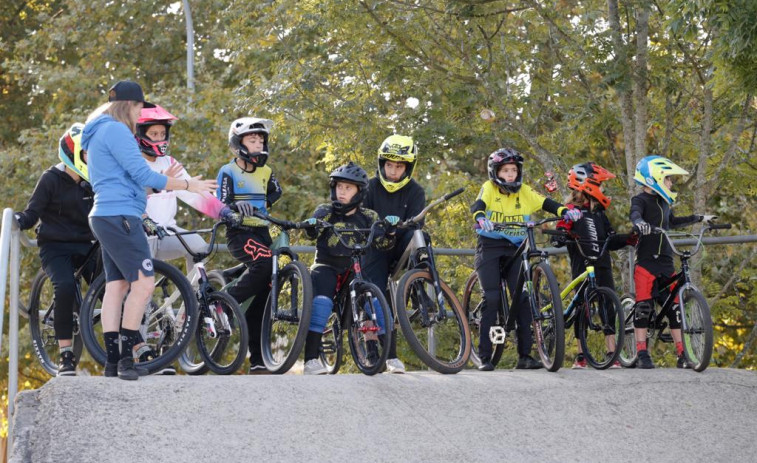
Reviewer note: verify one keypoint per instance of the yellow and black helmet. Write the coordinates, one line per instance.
(397, 148)
(70, 151)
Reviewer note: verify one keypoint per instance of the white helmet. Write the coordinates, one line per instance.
(246, 125)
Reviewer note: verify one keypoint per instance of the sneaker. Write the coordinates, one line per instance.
(147, 353)
(486, 365)
(616, 364)
(170, 370)
(127, 370)
(681, 363)
(257, 368)
(527, 362)
(580, 363)
(111, 370)
(67, 364)
(395, 365)
(315, 367)
(645, 361)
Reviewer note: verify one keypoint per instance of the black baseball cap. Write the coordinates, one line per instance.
(126, 90)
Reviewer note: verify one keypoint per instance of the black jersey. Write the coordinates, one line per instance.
(405, 203)
(61, 205)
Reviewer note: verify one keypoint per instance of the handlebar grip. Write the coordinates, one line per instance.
(453, 194)
(720, 226)
(553, 232)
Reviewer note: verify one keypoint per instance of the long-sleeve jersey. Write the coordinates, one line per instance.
(61, 205)
(405, 203)
(329, 250)
(514, 207)
(259, 188)
(653, 250)
(592, 230)
(162, 205)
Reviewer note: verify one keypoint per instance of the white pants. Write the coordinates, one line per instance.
(170, 248)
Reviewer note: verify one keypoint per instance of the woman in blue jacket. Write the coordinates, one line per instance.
(119, 176)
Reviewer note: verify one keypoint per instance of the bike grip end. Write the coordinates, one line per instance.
(720, 226)
(453, 194)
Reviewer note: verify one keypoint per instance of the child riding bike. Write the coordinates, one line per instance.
(504, 198)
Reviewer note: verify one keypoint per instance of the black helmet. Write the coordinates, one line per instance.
(499, 158)
(350, 173)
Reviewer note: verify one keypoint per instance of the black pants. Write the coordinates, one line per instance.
(252, 248)
(60, 261)
(489, 277)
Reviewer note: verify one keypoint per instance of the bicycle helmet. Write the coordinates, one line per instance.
(70, 151)
(397, 148)
(351, 173)
(147, 118)
(244, 126)
(499, 158)
(651, 172)
(588, 177)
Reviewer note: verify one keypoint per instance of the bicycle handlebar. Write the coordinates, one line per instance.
(414, 220)
(338, 233)
(579, 241)
(283, 224)
(712, 226)
(529, 224)
(213, 233)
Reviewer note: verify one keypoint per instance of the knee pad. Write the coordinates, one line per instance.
(675, 317)
(642, 313)
(322, 307)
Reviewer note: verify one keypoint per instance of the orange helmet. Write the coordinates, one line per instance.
(588, 177)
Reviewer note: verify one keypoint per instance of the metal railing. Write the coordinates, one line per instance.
(11, 239)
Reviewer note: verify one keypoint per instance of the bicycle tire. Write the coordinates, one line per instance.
(591, 331)
(368, 353)
(548, 324)
(697, 338)
(332, 347)
(289, 323)
(628, 355)
(224, 353)
(44, 344)
(443, 347)
(170, 323)
(190, 360)
(473, 304)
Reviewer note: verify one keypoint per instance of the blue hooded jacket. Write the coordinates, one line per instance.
(117, 171)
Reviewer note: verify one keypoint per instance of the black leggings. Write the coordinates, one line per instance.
(60, 261)
(489, 278)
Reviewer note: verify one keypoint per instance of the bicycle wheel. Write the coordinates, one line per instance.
(332, 347)
(41, 325)
(548, 323)
(473, 305)
(222, 336)
(628, 354)
(601, 327)
(190, 360)
(169, 322)
(368, 346)
(697, 337)
(285, 327)
(440, 339)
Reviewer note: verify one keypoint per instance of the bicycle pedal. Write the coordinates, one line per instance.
(497, 335)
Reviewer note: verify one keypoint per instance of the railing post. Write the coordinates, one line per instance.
(15, 273)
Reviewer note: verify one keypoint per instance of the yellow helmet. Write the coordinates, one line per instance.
(397, 148)
(70, 151)
(651, 172)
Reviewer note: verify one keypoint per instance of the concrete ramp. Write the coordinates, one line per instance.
(621, 415)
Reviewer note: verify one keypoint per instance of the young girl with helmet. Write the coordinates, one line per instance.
(504, 198)
(244, 185)
(654, 257)
(119, 177)
(61, 202)
(348, 184)
(393, 192)
(592, 229)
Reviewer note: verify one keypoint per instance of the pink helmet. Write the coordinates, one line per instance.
(150, 117)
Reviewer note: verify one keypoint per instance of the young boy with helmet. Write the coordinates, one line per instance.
(592, 229)
(393, 192)
(61, 202)
(504, 198)
(244, 185)
(654, 257)
(348, 184)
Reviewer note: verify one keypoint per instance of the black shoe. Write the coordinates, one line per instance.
(645, 361)
(67, 364)
(257, 367)
(527, 362)
(126, 369)
(170, 370)
(486, 365)
(111, 370)
(681, 363)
